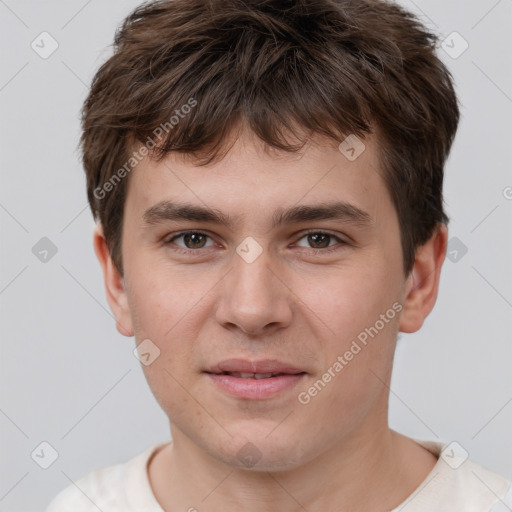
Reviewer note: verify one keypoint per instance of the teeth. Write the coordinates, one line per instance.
(251, 375)
(263, 375)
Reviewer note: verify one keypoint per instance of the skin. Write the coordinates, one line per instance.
(296, 303)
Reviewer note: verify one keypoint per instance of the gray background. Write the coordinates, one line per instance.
(68, 378)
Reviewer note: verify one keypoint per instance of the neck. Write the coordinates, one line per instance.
(370, 470)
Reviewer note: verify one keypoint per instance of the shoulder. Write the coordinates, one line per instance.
(480, 486)
(90, 492)
(458, 483)
(504, 504)
(103, 488)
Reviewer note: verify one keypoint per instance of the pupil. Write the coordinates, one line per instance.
(319, 238)
(194, 239)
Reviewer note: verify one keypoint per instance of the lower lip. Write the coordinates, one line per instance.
(255, 389)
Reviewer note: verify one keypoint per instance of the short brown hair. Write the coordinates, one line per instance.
(331, 67)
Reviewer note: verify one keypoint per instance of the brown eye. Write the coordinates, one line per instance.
(194, 240)
(190, 240)
(321, 240)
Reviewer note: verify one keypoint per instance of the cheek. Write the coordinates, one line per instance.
(160, 316)
(353, 382)
(350, 299)
(170, 321)
(174, 396)
(361, 309)
(163, 302)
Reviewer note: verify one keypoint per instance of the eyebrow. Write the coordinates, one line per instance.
(165, 211)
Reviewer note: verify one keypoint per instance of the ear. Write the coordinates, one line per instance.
(114, 284)
(422, 284)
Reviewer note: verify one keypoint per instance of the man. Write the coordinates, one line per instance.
(267, 180)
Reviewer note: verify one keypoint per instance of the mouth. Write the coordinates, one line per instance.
(257, 376)
(254, 380)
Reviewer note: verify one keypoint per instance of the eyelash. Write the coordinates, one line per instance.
(328, 249)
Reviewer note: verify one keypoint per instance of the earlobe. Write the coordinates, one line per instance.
(114, 284)
(422, 284)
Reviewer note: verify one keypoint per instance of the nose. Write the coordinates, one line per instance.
(253, 299)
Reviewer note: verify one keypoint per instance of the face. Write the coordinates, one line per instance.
(264, 262)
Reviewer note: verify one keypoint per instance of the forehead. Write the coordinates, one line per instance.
(253, 181)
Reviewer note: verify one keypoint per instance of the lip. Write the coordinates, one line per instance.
(255, 389)
(246, 366)
(251, 388)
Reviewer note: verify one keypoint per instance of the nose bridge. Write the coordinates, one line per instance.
(253, 298)
(251, 277)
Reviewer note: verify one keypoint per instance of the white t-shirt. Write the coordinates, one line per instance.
(458, 485)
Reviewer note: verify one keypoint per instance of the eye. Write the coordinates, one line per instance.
(191, 240)
(321, 240)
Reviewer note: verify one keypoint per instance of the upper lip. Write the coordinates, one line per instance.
(247, 366)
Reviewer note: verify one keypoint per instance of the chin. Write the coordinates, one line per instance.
(258, 451)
